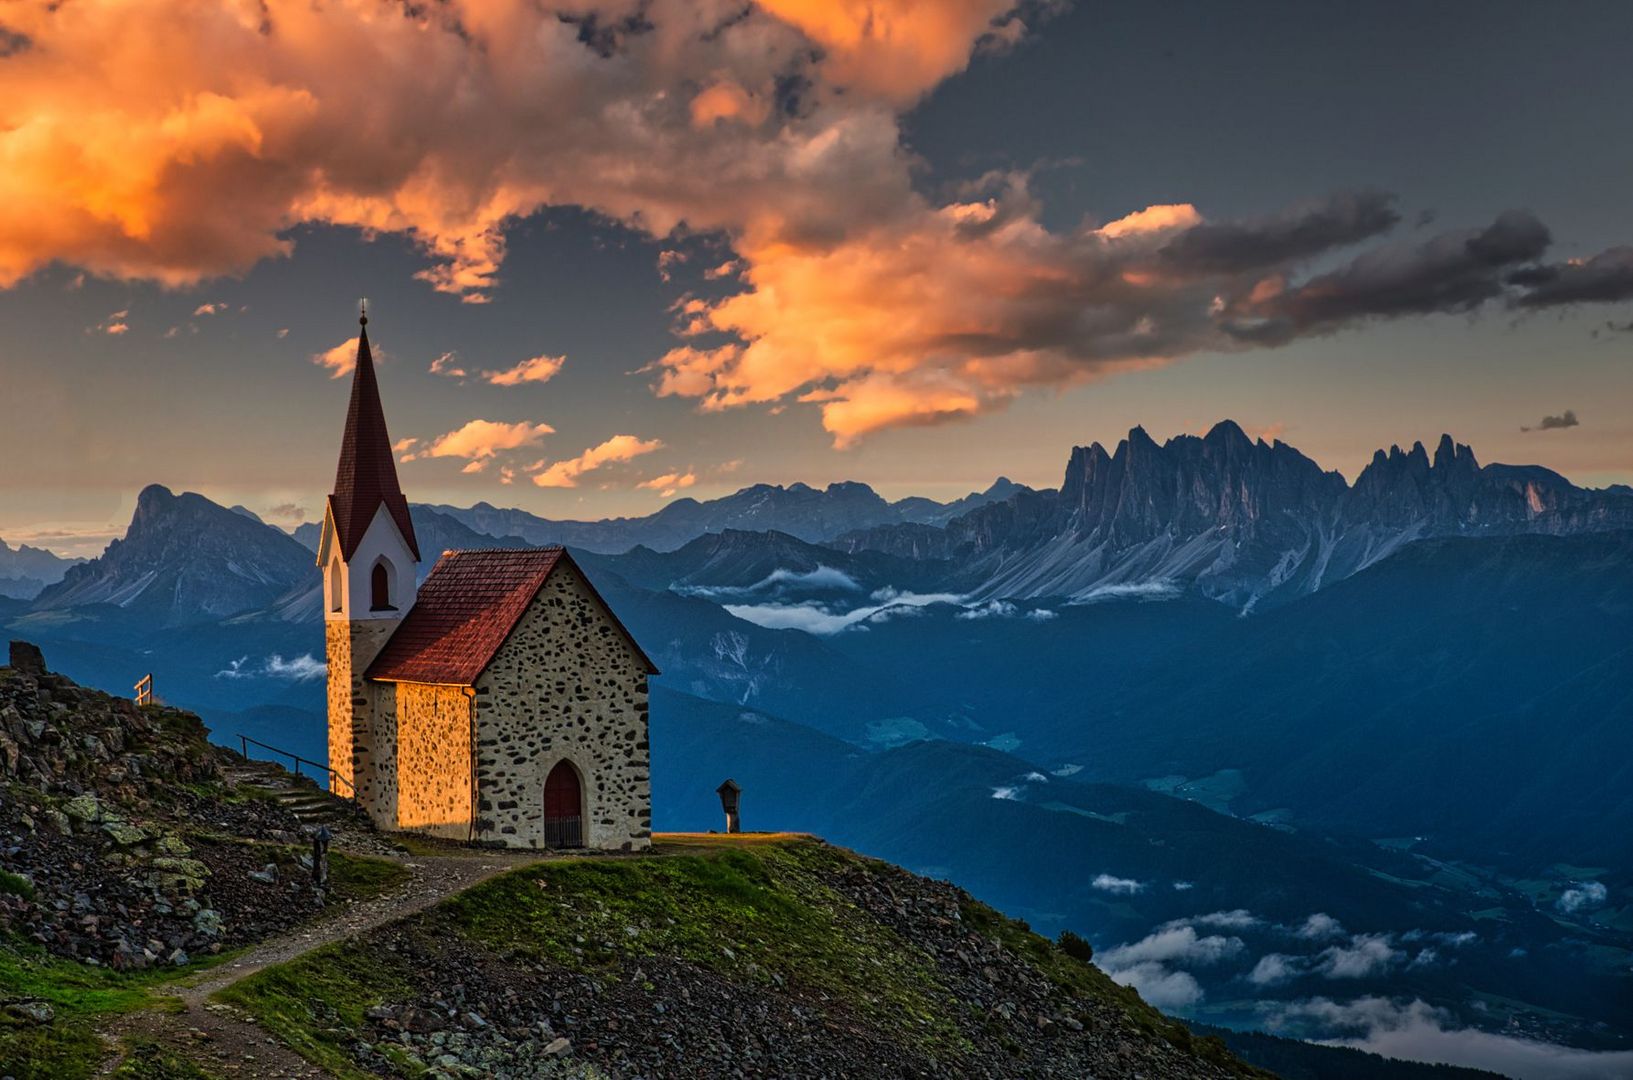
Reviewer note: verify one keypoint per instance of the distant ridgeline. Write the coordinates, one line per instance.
(1241, 521)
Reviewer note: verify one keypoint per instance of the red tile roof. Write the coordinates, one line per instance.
(466, 610)
(367, 476)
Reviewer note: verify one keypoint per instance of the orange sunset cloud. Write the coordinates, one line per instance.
(565, 474)
(188, 144)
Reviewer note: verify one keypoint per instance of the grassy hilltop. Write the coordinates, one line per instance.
(780, 955)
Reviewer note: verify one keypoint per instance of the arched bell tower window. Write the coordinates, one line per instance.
(380, 587)
(337, 595)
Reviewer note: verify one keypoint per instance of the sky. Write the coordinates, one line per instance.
(620, 252)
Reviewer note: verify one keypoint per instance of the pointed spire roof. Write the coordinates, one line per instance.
(367, 476)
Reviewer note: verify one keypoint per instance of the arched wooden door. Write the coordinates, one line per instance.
(563, 808)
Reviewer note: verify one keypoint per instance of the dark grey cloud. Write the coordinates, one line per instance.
(1450, 272)
(1605, 278)
(1566, 419)
(1296, 233)
(12, 43)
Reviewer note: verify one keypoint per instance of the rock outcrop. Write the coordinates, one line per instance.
(120, 842)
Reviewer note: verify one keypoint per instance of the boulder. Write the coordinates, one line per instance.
(86, 808)
(37, 1012)
(124, 833)
(27, 658)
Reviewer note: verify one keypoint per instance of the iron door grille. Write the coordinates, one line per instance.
(564, 832)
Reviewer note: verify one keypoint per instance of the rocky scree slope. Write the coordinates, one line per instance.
(121, 843)
(718, 957)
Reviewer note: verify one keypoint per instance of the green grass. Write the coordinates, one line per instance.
(16, 884)
(67, 1047)
(755, 915)
(358, 877)
(342, 977)
(351, 877)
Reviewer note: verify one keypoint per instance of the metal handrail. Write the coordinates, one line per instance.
(245, 740)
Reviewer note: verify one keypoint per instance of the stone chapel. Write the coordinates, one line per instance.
(499, 701)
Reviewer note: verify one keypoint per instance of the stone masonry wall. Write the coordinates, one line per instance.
(434, 759)
(567, 684)
(358, 751)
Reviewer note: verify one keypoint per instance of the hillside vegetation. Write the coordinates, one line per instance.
(780, 956)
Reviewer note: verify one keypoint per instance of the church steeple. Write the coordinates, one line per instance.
(369, 555)
(366, 478)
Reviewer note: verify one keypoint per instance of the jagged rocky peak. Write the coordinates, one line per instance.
(1189, 480)
(1454, 455)
(184, 558)
(1400, 488)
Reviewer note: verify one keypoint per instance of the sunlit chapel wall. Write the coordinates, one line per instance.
(434, 759)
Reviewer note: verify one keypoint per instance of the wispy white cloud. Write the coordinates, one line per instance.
(1174, 945)
(303, 668)
(1274, 968)
(1582, 897)
(993, 609)
(1365, 955)
(1235, 919)
(447, 365)
(1416, 1031)
(815, 618)
(1160, 986)
(1112, 884)
(1320, 926)
(1139, 590)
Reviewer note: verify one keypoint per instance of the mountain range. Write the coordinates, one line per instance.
(1238, 520)
(183, 559)
(1406, 703)
(25, 571)
(800, 510)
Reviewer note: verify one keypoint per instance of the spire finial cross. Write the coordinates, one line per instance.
(363, 312)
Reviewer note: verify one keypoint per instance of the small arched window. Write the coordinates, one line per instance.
(337, 594)
(380, 588)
